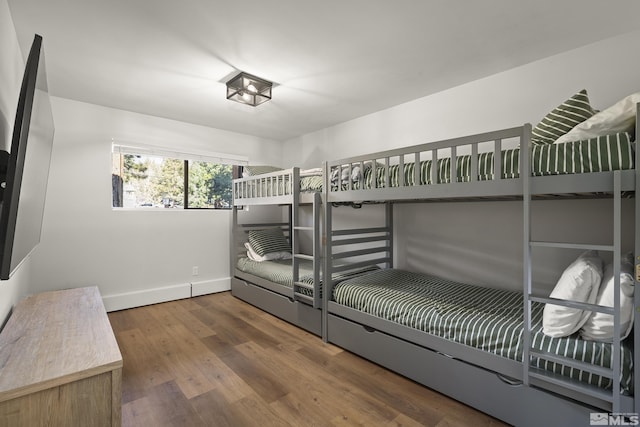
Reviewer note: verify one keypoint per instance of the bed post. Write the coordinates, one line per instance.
(234, 236)
(294, 227)
(389, 225)
(617, 218)
(317, 250)
(326, 241)
(525, 175)
(636, 296)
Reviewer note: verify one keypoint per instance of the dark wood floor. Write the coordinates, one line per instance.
(217, 361)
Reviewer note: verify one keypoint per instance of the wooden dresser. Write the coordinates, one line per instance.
(60, 364)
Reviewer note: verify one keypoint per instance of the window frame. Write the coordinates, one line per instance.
(236, 162)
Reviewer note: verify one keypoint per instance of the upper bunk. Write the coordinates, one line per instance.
(487, 166)
(266, 185)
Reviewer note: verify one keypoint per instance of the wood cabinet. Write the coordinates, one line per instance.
(60, 364)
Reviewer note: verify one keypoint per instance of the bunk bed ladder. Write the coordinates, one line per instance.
(302, 290)
(547, 379)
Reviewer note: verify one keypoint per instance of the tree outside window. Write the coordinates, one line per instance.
(149, 181)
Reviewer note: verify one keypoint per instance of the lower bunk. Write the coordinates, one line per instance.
(465, 342)
(298, 313)
(268, 285)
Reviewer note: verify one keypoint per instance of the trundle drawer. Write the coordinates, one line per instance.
(482, 389)
(295, 312)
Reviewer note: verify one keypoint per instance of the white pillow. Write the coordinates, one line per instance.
(599, 326)
(344, 175)
(620, 117)
(253, 256)
(579, 282)
(312, 172)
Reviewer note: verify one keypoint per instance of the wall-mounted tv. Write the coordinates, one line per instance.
(24, 170)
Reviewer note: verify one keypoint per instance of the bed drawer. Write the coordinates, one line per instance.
(482, 389)
(295, 312)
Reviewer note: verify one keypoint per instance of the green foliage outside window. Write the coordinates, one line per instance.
(147, 181)
(209, 185)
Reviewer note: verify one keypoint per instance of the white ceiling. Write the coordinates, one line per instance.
(332, 60)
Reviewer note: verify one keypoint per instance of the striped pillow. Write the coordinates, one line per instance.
(250, 170)
(562, 119)
(268, 241)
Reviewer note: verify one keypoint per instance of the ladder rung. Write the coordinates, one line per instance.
(581, 246)
(303, 297)
(304, 285)
(358, 240)
(571, 384)
(573, 304)
(572, 363)
(304, 256)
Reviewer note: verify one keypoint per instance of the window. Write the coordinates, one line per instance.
(144, 178)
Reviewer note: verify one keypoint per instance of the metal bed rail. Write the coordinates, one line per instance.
(269, 188)
(345, 178)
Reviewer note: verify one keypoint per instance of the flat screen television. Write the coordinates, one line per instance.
(24, 171)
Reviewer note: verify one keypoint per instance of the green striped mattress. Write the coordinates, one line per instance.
(281, 271)
(485, 318)
(606, 153)
(277, 271)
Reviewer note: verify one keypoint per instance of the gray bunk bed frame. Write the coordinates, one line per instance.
(506, 389)
(288, 303)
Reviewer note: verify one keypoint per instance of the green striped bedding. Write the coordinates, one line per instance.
(277, 271)
(484, 318)
(606, 153)
(311, 183)
(281, 271)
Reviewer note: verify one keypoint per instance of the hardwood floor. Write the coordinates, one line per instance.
(217, 361)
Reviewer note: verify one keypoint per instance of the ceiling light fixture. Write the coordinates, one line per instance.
(247, 89)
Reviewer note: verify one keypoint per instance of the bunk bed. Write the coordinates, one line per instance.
(279, 278)
(413, 323)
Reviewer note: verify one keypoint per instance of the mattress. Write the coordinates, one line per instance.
(278, 271)
(281, 272)
(606, 153)
(484, 318)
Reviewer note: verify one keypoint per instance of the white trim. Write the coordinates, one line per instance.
(196, 155)
(168, 293)
(146, 297)
(210, 286)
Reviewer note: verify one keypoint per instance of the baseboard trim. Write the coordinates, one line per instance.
(146, 297)
(141, 298)
(210, 286)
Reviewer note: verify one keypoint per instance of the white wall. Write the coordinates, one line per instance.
(607, 69)
(134, 257)
(480, 242)
(11, 69)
